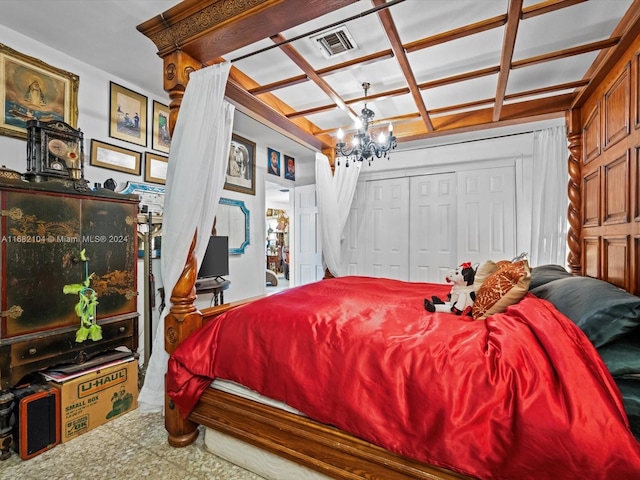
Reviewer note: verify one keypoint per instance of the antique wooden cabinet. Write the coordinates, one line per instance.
(52, 236)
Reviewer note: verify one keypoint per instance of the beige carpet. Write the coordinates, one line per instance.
(130, 447)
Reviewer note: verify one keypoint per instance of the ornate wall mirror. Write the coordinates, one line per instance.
(232, 220)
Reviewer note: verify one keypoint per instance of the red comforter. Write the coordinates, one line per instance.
(521, 395)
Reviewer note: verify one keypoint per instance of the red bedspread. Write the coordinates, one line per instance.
(521, 395)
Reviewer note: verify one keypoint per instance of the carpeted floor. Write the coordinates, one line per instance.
(131, 447)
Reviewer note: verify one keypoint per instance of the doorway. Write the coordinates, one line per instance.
(277, 237)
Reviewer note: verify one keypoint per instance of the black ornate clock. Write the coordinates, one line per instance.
(55, 151)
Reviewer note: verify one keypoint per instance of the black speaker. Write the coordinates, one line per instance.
(37, 410)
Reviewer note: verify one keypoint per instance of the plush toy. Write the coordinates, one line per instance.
(460, 299)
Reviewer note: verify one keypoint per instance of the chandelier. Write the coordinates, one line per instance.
(363, 147)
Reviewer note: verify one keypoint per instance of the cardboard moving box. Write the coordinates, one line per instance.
(92, 398)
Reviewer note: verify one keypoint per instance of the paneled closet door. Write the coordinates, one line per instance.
(387, 228)
(486, 214)
(432, 227)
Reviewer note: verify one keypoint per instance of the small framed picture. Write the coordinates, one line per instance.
(160, 137)
(155, 168)
(109, 156)
(241, 167)
(289, 167)
(273, 162)
(127, 115)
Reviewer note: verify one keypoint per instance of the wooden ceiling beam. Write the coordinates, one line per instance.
(508, 45)
(456, 33)
(567, 52)
(306, 67)
(396, 45)
(288, 82)
(547, 7)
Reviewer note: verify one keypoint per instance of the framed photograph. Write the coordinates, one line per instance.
(127, 115)
(273, 162)
(32, 90)
(155, 168)
(109, 156)
(160, 137)
(289, 167)
(241, 167)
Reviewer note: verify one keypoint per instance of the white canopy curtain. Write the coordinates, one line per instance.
(335, 194)
(550, 202)
(195, 179)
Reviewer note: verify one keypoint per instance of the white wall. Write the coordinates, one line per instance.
(247, 271)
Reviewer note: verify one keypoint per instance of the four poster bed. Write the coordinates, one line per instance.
(544, 388)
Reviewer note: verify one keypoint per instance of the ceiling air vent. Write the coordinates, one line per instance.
(334, 42)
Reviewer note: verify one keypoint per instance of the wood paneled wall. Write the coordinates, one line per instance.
(604, 170)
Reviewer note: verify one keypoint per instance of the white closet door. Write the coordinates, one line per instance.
(432, 227)
(307, 244)
(353, 245)
(387, 229)
(486, 214)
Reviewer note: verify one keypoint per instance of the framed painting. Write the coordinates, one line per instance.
(127, 115)
(289, 166)
(273, 162)
(155, 168)
(109, 156)
(241, 166)
(160, 136)
(32, 90)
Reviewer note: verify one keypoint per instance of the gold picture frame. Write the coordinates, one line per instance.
(160, 136)
(105, 155)
(241, 166)
(127, 115)
(33, 90)
(155, 168)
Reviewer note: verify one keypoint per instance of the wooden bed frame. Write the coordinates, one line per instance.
(603, 129)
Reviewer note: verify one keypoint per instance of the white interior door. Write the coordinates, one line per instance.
(432, 227)
(486, 214)
(388, 227)
(353, 244)
(307, 245)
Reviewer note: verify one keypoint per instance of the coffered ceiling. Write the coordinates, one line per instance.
(435, 67)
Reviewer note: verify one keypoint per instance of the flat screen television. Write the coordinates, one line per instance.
(216, 258)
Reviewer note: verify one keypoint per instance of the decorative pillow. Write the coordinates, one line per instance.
(547, 273)
(506, 286)
(603, 311)
(630, 390)
(483, 272)
(622, 357)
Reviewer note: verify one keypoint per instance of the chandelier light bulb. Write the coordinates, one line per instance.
(390, 128)
(340, 134)
(381, 138)
(358, 124)
(355, 141)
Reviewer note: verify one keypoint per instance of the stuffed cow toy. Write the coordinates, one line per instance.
(460, 299)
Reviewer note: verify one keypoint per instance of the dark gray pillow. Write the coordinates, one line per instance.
(622, 357)
(630, 390)
(547, 273)
(603, 312)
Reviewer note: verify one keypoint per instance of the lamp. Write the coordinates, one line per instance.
(363, 147)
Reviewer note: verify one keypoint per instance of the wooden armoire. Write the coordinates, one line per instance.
(54, 235)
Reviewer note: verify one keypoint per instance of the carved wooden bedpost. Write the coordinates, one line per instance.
(183, 318)
(574, 213)
(177, 68)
